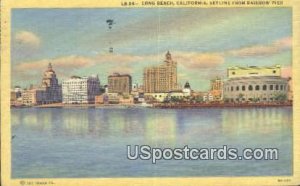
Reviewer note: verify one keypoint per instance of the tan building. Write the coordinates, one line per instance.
(99, 99)
(126, 100)
(107, 98)
(216, 89)
(13, 96)
(119, 83)
(242, 72)
(34, 96)
(162, 78)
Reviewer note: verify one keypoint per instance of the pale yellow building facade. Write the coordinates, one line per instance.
(162, 78)
(235, 72)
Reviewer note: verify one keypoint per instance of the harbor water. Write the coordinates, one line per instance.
(92, 142)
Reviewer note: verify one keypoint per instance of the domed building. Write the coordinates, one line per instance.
(53, 92)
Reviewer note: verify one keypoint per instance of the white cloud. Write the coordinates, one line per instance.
(263, 50)
(28, 39)
(193, 60)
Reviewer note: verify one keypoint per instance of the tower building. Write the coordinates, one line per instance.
(162, 78)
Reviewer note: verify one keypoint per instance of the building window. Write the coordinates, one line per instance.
(250, 87)
(233, 73)
(237, 88)
(265, 87)
(281, 87)
(231, 88)
(274, 71)
(257, 87)
(276, 87)
(271, 87)
(243, 88)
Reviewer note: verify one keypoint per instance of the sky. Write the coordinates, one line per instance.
(203, 41)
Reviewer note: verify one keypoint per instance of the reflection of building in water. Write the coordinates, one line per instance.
(161, 128)
(74, 122)
(255, 84)
(255, 121)
(35, 119)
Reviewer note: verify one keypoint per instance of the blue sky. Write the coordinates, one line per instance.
(204, 41)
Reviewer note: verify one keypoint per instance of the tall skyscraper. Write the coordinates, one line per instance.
(119, 83)
(162, 78)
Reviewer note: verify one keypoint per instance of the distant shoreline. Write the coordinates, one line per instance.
(163, 105)
(222, 105)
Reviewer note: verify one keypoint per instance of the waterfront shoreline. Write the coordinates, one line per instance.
(222, 105)
(164, 105)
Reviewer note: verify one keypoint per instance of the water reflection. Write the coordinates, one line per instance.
(155, 126)
(94, 140)
(263, 121)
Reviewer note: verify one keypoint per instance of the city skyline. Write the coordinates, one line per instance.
(76, 42)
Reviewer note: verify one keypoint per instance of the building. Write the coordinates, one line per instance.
(155, 97)
(48, 92)
(100, 99)
(236, 72)
(187, 91)
(290, 89)
(175, 95)
(126, 100)
(53, 92)
(216, 90)
(35, 96)
(16, 96)
(162, 78)
(255, 84)
(119, 83)
(208, 97)
(78, 90)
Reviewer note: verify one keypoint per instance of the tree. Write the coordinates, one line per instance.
(240, 96)
(199, 99)
(280, 97)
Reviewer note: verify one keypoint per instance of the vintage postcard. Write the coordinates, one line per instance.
(146, 92)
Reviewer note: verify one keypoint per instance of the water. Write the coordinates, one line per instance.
(91, 143)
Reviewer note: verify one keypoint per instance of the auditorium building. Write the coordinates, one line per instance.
(255, 84)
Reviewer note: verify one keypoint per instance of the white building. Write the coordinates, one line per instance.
(255, 84)
(78, 90)
(187, 91)
(160, 97)
(208, 97)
